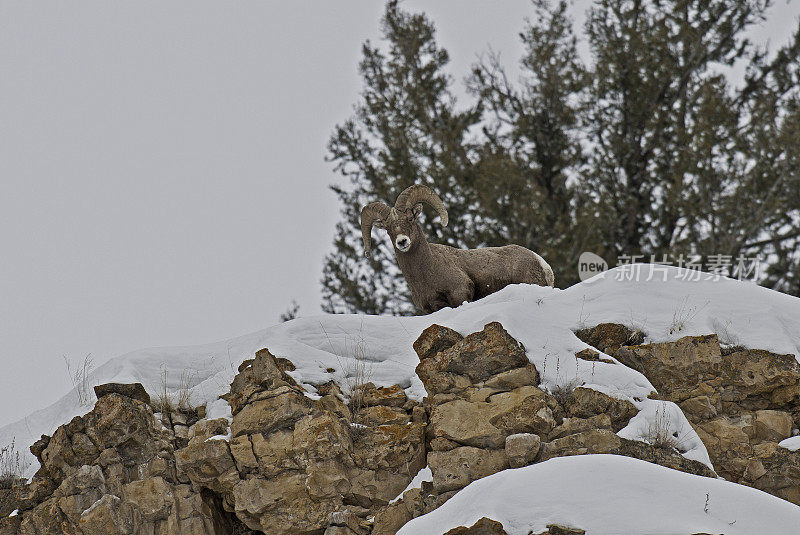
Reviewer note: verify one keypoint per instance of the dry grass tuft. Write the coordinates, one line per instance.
(562, 391)
(79, 376)
(12, 465)
(181, 400)
(660, 432)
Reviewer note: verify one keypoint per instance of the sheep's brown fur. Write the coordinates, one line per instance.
(440, 275)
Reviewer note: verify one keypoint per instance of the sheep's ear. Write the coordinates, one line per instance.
(379, 223)
(417, 209)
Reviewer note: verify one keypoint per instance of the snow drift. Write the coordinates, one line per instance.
(609, 495)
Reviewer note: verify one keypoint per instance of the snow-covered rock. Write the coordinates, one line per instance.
(527, 375)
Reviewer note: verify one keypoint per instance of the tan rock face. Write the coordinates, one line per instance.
(113, 471)
(132, 390)
(484, 526)
(459, 467)
(294, 461)
(741, 402)
(275, 412)
(594, 441)
(586, 403)
(700, 360)
(522, 449)
(570, 426)
(609, 337)
(391, 518)
(482, 389)
(496, 416)
(295, 464)
(476, 358)
(208, 463)
(109, 515)
(434, 340)
(382, 415)
(772, 425)
(606, 441)
(389, 396)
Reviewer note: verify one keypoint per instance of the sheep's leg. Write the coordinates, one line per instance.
(440, 302)
(457, 297)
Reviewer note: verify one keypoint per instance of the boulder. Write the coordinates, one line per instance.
(484, 526)
(609, 337)
(208, 463)
(131, 390)
(477, 357)
(109, 516)
(260, 374)
(458, 467)
(676, 365)
(772, 425)
(522, 449)
(273, 413)
(435, 339)
(570, 426)
(281, 505)
(482, 389)
(585, 402)
(390, 396)
(392, 517)
(586, 442)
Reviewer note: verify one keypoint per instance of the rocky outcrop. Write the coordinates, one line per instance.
(286, 463)
(112, 471)
(487, 413)
(741, 402)
(482, 389)
(294, 463)
(289, 462)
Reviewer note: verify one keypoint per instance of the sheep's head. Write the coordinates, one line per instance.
(401, 221)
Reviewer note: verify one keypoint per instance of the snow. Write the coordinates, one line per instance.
(15, 512)
(791, 444)
(542, 318)
(423, 475)
(609, 495)
(113, 497)
(666, 422)
(218, 408)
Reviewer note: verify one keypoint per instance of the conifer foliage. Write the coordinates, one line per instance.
(649, 148)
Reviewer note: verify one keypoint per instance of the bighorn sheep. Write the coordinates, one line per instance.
(440, 275)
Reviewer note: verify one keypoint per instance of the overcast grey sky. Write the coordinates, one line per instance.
(162, 173)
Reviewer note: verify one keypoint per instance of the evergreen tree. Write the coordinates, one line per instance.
(649, 150)
(405, 130)
(532, 152)
(678, 152)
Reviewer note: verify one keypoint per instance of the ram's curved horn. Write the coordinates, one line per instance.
(369, 214)
(417, 194)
